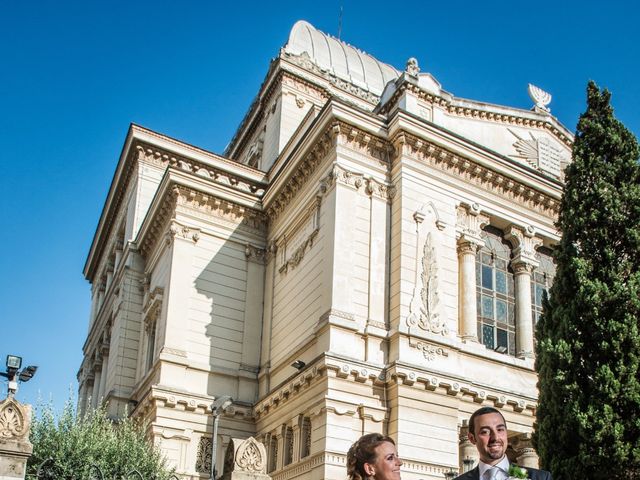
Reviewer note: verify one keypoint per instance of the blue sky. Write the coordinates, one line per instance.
(75, 74)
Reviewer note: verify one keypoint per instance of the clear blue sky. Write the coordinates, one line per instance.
(75, 74)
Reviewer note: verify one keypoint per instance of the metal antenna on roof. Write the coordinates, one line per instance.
(340, 23)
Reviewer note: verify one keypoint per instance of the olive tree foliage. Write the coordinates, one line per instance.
(77, 445)
(588, 340)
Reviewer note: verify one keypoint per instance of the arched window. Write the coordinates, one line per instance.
(495, 293)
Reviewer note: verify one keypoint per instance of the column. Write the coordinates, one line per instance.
(468, 454)
(469, 225)
(523, 264)
(524, 320)
(527, 456)
(97, 372)
(467, 289)
(103, 379)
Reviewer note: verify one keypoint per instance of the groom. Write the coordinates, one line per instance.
(488, 432)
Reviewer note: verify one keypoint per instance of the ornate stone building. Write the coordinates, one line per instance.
(386, 237)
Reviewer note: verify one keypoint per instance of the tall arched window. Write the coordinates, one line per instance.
(495, 293)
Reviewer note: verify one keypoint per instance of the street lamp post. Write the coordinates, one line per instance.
(13, 374)
(217, 408)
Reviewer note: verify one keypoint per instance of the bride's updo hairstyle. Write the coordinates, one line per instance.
(363, 451)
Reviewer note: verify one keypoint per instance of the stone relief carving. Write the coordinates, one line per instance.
(177, 230)
(245, 457)
(203, 459)
(424, 309)
(430, 351)
(540, 152)
(14, 420)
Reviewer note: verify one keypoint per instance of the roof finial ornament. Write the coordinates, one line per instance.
(540, 98)
(412, 67)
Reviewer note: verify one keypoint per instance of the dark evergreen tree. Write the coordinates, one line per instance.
(588, 341)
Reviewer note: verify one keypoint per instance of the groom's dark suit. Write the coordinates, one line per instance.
(474, 474)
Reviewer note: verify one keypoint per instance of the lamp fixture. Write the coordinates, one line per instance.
(298, 364)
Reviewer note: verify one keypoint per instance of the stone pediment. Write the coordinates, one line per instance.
(529, 142)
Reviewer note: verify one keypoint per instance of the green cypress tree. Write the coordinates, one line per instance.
(588, 341)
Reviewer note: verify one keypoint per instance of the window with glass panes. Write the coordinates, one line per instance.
(495, 292)
(541, 280)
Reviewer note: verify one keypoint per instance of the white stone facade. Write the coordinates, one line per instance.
(364, 221)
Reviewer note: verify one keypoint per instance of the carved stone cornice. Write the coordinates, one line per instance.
(154, 155)
(453, 107)
(361, 141)
(164, 224)
(303, 172)
(475, 173)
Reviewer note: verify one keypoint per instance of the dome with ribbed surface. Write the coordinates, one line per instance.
(339, 58)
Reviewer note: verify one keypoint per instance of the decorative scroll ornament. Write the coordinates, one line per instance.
(245, 457)
(430, 351)
(249, 457)
(14, 420)
(424, 304)
(540, 98)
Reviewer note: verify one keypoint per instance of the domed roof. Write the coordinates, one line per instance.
(339, 58)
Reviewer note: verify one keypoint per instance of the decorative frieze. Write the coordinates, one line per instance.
(476, 174)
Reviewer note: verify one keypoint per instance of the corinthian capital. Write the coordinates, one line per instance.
(525, 243)
(469, 223)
